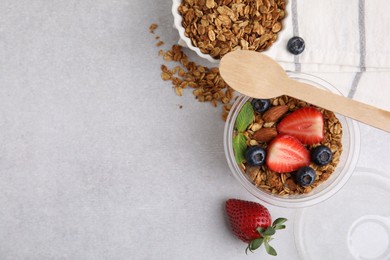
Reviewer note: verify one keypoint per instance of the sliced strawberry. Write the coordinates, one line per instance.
(286, 154)
(306, 124)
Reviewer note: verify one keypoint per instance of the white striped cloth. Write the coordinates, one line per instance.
(350, 38)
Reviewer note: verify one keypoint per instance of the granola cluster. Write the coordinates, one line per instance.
(217, 27)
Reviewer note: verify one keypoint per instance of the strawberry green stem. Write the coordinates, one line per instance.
(266, 237)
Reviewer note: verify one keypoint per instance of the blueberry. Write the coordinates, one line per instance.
(321, 155)
(305, 176)
(296, 45)
(260, 105)
(255, 155)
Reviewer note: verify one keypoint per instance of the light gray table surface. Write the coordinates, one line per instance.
(97, 160)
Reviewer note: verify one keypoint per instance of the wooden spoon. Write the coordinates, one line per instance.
(257, 75)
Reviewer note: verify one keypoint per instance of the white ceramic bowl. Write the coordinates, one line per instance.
(184, 40)
(344, 169)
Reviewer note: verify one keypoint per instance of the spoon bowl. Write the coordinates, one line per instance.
(270, 79)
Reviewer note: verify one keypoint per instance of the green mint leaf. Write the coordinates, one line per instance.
(279, 221)
(245, 117)
(239, 147)
(255, 244)
(270, 250)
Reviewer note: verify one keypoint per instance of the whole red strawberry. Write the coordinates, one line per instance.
(251, 222)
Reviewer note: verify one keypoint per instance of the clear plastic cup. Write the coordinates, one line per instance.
(343, 171)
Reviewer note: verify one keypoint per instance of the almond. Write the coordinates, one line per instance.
(265, 134)
(274, 113)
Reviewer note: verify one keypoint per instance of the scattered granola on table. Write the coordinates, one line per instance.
(217, 27)
(206, 83)
(153, 27)
(158, 44)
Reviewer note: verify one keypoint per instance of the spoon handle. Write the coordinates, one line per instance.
(364, 113)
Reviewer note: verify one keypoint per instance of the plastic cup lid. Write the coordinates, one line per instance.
(353, 224)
